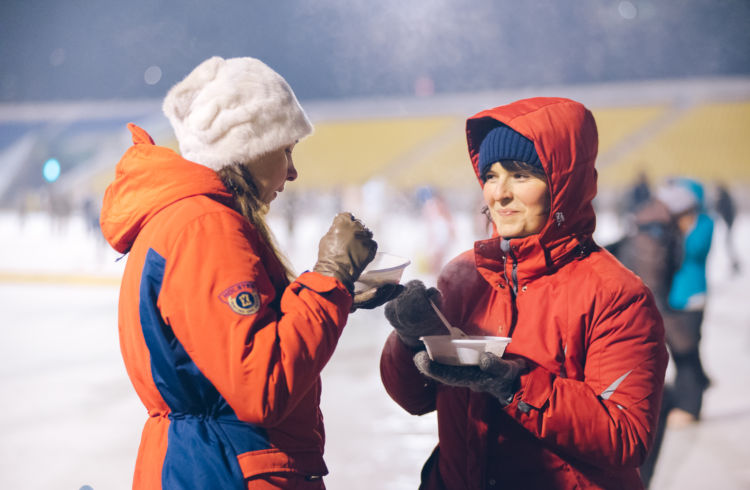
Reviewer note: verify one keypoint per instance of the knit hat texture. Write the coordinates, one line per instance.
(503, 143)
(233, 110)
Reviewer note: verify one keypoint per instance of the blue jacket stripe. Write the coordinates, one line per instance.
(205, 435)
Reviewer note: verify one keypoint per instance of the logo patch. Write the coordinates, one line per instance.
(242, 298)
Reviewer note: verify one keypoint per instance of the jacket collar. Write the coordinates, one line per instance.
(532, 258)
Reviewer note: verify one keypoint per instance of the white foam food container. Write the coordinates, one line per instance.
(463, 351)
(385, 268)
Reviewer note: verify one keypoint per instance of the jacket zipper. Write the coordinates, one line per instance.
(512, 282)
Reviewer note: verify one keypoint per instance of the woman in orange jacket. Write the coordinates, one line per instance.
(574, 401)
(223, 346)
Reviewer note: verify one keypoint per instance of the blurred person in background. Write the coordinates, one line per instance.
(223, 345)
(59, 209)
(91, 212)
(727, 209)
(652, 248)
(638, 194)
(687, 299)
(441, 231)
(652, 245)
(573, 403)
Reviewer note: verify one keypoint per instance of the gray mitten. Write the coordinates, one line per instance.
(411, 314)
(498, 377)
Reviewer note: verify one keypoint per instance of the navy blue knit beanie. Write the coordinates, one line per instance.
(503, 143)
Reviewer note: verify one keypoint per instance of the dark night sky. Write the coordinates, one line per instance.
(326, 49)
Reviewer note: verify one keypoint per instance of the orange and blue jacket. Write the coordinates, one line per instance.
(586, 411)
(224, 352)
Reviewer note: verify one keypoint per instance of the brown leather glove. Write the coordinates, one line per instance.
(345, 250)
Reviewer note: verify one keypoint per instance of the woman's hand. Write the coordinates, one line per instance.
(345, 250)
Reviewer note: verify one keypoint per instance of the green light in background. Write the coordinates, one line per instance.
(51, 170)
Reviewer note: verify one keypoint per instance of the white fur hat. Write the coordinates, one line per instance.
(233, 110)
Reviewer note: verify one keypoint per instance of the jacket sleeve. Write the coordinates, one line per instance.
(403, 382)
(698, 241)
(262, 360)
(609, 418)
(414, 392)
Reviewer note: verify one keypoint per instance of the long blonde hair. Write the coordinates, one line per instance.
(239, 181)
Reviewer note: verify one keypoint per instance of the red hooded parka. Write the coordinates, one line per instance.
(586, 411)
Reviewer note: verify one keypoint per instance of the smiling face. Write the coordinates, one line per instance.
(518, 199)
(271, 171)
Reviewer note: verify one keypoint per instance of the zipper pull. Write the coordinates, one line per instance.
(506, 249)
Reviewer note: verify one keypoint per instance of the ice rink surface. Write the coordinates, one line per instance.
(70, 417)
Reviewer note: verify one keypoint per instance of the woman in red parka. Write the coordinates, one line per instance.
(573, 402)
(223, 346)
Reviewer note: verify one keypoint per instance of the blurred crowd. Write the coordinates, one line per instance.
(669, 227)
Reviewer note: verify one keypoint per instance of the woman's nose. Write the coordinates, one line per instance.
(291, 171)
(503, 191)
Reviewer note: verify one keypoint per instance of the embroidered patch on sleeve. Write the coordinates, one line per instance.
(242, 298)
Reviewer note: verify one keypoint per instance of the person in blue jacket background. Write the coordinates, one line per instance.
(687, 301)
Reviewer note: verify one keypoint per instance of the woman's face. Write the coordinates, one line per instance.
(518, 201)
(272, 171)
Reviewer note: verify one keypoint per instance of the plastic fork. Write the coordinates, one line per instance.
(455, 332)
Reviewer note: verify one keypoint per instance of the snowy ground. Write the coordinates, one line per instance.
(70, 417)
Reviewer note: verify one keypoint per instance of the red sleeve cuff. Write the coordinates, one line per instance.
(320, 283)
(536, 387)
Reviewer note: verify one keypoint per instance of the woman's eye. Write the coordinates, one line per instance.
(520, 175)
